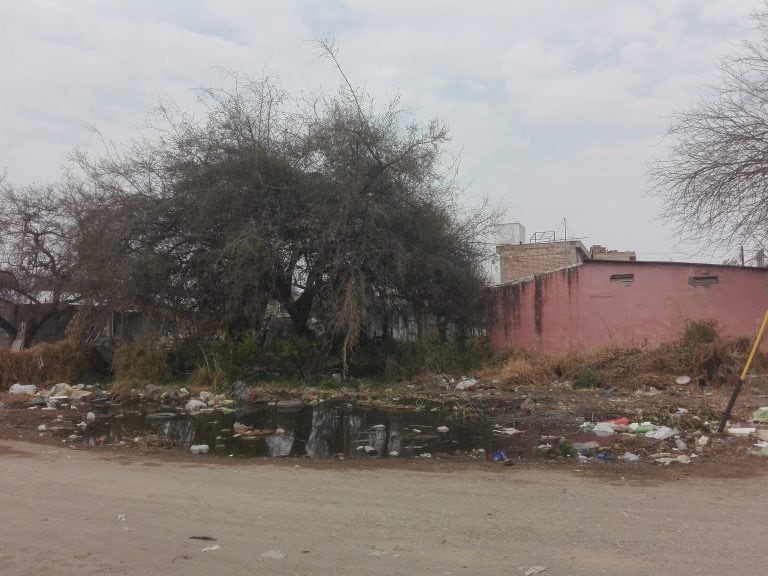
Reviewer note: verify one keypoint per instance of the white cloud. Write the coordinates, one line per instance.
(555, 106)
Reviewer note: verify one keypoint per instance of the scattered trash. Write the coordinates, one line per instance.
(498, 456)
(585, 448)
(273, 555)
(623, 421)
(702, 441)
(629, 457)
(205, 538)
(741, 431)
(425, 455)
(604, 456)
(761, 414)
(194, 405)
(587, 426)
(643, 428)
(90, 417)
(683, 380)
(42, 428)
(466, 384)
(507, 431)
(603, 429)
(443, 429)
(535, 570)
(666, 461)
(394, 454)
(61, 390)
(680, 444)
(762, 433)
(121, 517)
(662, 433)
(211, 548)
(199, 448)
(22, 389)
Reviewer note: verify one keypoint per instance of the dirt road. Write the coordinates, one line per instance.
(68, 512)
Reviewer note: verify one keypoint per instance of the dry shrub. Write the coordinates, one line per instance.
(206, 377)
(520, 367)
(143, 362)
(700, 352)
(63, 361)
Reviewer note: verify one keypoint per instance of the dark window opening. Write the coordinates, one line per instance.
(704, 281)
(623, 278)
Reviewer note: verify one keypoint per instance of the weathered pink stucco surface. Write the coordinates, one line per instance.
(582, 307)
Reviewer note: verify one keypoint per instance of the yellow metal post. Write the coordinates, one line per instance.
(744, 372)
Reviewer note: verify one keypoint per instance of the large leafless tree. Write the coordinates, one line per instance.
(37, 230)
(714, 181)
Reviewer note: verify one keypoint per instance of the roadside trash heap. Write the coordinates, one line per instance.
(59, 397)
(207, 402)
(648, 430)
(61, 394)
(760, 447)
(82, 403)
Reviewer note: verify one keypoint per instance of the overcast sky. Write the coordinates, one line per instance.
(554, 106)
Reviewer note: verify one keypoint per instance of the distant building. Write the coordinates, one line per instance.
(598, 252)
(556, 296)
(520, 261)
(625, 303)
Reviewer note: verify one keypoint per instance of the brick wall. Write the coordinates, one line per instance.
(518, 261)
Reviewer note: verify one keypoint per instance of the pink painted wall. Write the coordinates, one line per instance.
(581, 307)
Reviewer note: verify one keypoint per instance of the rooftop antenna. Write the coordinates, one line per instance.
(566, 236)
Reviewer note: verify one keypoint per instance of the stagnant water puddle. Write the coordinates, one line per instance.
(321, 431)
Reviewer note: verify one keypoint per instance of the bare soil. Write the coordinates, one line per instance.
(65, 512)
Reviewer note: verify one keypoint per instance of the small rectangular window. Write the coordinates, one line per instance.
(623, 278)
(703, 281)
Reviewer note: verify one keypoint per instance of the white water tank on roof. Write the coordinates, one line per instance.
(512, 233)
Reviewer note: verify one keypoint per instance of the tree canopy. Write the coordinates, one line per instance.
(343, 212)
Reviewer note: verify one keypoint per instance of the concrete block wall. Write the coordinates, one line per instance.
(626, 304)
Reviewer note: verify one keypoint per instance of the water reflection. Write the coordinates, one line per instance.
(320, 431)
